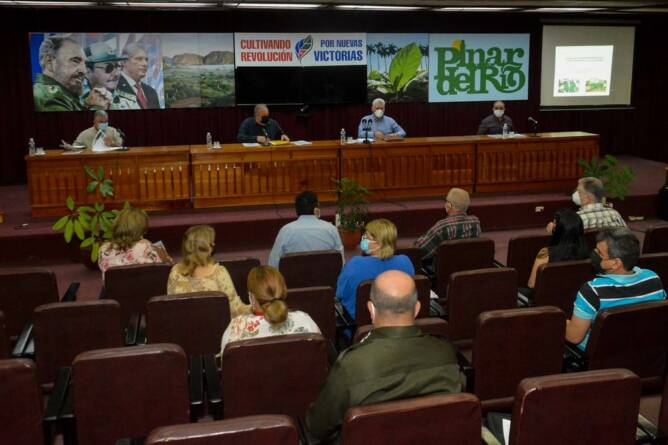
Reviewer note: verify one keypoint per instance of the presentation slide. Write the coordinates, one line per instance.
(582, 70)
(584, 66)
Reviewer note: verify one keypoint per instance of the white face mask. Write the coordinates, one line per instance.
(576, 198)
(378, 113)
(498, 113)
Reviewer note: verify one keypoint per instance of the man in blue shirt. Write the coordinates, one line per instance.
(618, 282)
(308, 233)
(260, 128)
(378, 126)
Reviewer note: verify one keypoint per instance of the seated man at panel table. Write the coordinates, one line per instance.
(457, 225)
(380, 127)
(100, 131)
(618, 282)
(493, 124)
(260, 128)
(394, 361)
(589, 195)
(307, 233)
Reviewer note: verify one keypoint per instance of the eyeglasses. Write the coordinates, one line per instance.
(109, 67)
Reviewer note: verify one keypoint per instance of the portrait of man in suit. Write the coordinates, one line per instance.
(134, 93)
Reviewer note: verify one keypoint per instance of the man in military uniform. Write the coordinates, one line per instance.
(60, 85)
(395, 361)
(103, 69)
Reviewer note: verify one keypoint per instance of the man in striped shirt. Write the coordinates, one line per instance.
(457, 225)
(618, 282)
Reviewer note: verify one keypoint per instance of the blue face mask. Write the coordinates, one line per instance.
(103, 126)
(364, 245)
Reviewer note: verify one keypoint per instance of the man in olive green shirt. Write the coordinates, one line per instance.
(395, 361)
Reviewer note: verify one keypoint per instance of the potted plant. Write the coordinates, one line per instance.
(91, 224)
(352, 210)
(616, 179)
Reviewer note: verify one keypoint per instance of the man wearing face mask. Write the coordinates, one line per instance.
(260, 128)
(394, 361)
(379, 126)
(618, 282)
(493, 124)
(589, 196)
(100, 130)
(307, 233)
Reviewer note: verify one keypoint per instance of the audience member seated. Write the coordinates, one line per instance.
(127, 245)
(267, 292)
(198, 271)
(378, 242)
(307, 233)
(618, 283)
(394, 361)
(589, 196)
(457, 225)
(567, 242)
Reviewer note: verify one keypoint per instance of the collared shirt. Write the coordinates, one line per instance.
(87, 137)
(391, 363)
(458, 226)
(492, 125)
(250, 130)
(385, 125)
(598, 216)
(306, 234)
(609, 290)
(130, 81)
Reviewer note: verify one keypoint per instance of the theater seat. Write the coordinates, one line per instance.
(195, 321)
(656, 240)
(64, 330)
(511, 345)
(318, 303)
(362, 316)
(429, 325)
(657, 263)
(127, 392)
(522, 251)
(557, 284)
(238, 269)
(20, 404)
(309, 269)
(413, 253)
(4, 338)
(596, 407)
(273, 375)
(442, 419)
(268, 429)
(459, 255)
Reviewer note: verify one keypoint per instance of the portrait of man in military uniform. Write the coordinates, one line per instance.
(60, 85)
(103, 70)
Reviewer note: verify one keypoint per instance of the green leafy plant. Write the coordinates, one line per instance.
(90, 224)
(616, 179)
(405, 70)
(352, 204)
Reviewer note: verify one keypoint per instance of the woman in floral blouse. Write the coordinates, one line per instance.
(127, 245)
(267, 292)
(198, 271)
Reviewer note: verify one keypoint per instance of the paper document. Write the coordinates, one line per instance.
(103, 148)
(301, 142)
(250, 144)
(279, 142)
(509, 136)
(72, 152)
(505, 423)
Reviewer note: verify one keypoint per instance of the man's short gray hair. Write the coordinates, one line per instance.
(459, 198)
(50, 46)
(378, 100)
(259, 107)
(131, 50)
(101, 113)
(622, 244)
(594, 187)
(383, 302)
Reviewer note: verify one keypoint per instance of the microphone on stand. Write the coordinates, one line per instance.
(366, 123)
(534, 124)
(266, 136)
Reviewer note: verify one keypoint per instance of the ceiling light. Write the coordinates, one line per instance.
(274, 5)
(164, 4)
(474, 9)
(563, 9)
(380, 7)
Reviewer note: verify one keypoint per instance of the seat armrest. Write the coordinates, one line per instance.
(141, 330)
(498, 264)
(22, 342)
(647, 432)
(57, 399)
(488, 438)
(196, 379)
(575, 360)
(71, 292)
(343, 318)
(132, 330)
(467, 370)
(522, 300)
(213, 388)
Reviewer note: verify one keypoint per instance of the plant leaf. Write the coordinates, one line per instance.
(100, 173)
(87, 242)
(95, 252)
(405, 66)
(69, 202)
(91, 186)
(69, 230)
(90, 172)
(61, 223)
(78, 229)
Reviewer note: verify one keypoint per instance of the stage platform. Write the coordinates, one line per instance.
(254, 228)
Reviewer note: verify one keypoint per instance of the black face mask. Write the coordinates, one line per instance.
(264, 120)
(596, 263)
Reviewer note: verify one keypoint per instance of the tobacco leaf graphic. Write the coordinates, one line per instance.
(303, 47)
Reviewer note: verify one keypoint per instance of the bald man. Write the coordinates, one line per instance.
(260, 128)
(395, 361)
(456, 225)
(493, 124)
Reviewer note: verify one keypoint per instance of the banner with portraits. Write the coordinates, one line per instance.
(131, 71)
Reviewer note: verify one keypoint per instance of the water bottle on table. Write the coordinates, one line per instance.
(343, 136)
(505, 131)
(209, 141)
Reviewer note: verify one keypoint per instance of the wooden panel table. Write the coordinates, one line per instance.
(149, 177)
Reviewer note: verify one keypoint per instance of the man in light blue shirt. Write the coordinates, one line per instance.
(307, 233)
(379, 126)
